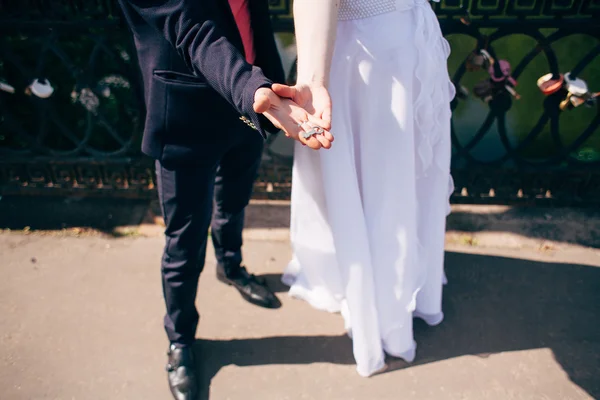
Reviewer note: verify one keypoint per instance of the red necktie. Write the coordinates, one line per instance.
(241, 13)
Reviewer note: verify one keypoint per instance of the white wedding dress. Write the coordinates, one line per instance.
(368, 215)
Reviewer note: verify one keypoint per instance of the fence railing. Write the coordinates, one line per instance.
(71, 106)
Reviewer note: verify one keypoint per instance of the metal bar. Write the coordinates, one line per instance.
(85, 139)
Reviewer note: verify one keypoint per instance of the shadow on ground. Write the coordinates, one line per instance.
(492, 305)
(566, 225)
(56, 213)
(579, 226)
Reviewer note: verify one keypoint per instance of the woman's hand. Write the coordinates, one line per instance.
(293, 119)
(314, 98)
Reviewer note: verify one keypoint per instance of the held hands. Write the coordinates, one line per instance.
(294, 120)
(313, 97)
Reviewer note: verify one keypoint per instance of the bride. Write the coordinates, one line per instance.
(368, 215)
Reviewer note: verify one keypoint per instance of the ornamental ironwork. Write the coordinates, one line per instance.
(525, 120)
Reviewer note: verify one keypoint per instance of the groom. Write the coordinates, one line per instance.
(203, 95)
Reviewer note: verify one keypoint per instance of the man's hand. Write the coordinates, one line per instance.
(288, 116)
(314, 98)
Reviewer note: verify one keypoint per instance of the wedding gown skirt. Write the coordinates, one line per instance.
(368, 215)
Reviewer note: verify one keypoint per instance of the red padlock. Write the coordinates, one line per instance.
(548, 85)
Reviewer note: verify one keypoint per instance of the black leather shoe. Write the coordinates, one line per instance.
(181, 371)
(252, 289)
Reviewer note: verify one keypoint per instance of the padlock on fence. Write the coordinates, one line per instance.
(577, 93)
(500, 81)
(551, 83)
(465, 18)
(40, 88)
(485, 90)
(500, 74)
(5, 87)
(479, 59)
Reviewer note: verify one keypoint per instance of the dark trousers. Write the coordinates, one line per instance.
(223, 177)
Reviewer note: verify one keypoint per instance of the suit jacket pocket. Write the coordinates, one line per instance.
(196, 117)
(193, 109)
(179, 78)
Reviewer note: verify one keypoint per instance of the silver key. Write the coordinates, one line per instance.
(314, 131)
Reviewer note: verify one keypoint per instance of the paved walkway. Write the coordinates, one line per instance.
(81, 319)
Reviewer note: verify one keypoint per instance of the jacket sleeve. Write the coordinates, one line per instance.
(192, 31)
(267, 54)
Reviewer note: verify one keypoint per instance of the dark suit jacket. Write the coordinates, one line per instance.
(197, 83)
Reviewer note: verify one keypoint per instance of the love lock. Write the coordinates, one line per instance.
(577, 93)
(40, 88)
(549, 84)
(576, 86)
(465, 18)
(504, 78)
(505, 71)
(484, 90)
(479, 59)
(5, 87)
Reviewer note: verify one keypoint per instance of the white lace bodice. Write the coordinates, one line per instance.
(357, 9)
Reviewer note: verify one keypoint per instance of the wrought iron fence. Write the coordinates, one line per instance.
(71, 106)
